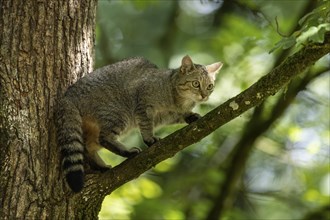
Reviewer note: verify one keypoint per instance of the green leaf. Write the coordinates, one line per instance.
(285, 43)
(314, 34)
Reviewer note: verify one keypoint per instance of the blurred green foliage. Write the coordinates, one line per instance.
(287, 174)
(313, 26)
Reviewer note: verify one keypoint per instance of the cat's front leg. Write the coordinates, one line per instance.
(191, 117)
(146, 129)
(146, 123)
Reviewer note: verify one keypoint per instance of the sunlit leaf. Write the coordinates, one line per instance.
(149, 188)
(174, 214)
(312, 195)
(314, 147)
(294, 134)
(166, 165)
(314, 34)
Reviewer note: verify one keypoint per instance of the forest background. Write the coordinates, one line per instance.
(270, 162)
(275, 158)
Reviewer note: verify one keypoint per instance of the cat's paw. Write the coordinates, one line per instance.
(191, 118)
(134, 151)
(150, 141)
(96, 162)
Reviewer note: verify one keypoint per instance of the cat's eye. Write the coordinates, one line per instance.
(195, 84)
(210, 87)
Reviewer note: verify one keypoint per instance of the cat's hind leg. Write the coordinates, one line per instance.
(91, 132)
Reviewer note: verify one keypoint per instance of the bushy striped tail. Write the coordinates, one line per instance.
(69, 138)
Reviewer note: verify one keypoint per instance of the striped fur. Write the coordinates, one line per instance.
(70, 139)
(111, 100)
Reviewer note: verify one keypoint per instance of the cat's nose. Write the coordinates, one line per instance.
(204, 97)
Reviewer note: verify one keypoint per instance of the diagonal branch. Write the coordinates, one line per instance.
(100, 185)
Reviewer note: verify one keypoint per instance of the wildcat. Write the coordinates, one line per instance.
(111, 100)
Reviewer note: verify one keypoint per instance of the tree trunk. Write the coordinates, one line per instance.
(44, 46)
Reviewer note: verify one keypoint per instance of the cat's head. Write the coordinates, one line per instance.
(195, 81)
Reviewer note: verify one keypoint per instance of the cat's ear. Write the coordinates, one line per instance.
(213, 69)
(186, 64)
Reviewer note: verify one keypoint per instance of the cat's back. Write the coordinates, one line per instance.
(132, 63)
(110, 83)
(126, 68)
(115, 75)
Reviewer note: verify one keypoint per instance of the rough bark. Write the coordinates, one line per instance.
(44, 46)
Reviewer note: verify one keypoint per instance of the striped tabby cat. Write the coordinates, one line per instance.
(102, 105)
